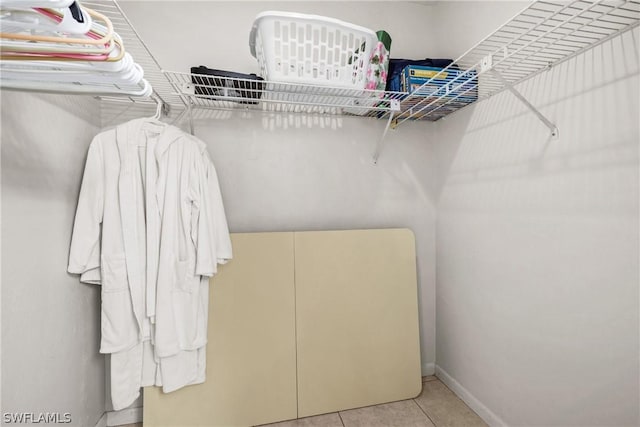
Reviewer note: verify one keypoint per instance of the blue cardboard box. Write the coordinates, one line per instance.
(447, 90)
(450, 83)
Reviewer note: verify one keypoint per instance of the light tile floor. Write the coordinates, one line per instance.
(436, 406)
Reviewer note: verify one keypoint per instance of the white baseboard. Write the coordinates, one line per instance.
(485, 413)
(102, 422)
(428, 369)
(125, 416)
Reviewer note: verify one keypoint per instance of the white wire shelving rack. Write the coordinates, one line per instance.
(162, 89)
(542, 35)
(227, 93)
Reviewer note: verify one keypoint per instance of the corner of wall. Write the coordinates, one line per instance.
(472, 401)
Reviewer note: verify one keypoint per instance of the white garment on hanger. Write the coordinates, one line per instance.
(150, 228)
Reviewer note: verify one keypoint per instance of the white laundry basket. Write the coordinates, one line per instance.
(311, 49)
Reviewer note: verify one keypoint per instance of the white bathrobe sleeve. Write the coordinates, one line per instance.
(213, 243)
(84, 255)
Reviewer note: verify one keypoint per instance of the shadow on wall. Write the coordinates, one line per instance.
(39, 153)
(584, 97)
(116, 113)
(273, 137)
(82, 107)
(271, 121)
(300, 168)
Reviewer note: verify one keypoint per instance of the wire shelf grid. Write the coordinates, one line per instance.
(544, 34)
(139, 51)
(228, 93)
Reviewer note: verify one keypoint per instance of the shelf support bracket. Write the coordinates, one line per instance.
(190, 112)
(162, 108)
(553, 128)
(180, 117)
(394, 105)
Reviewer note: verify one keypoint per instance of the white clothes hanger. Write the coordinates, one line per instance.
(52, 4)
(50, 50)
(50, 47)
(17, 20)
(131, 76)
(53, 48)
(90, 66)
(143, 89)
(98, 38)
(159, 107)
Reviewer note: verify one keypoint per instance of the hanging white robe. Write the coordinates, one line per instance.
(150, 228)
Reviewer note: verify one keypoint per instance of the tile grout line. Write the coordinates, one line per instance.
(456, 397)
(424, 412)
(341, 420)
(295, 324)
(463, 402)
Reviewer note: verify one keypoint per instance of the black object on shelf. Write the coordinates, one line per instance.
(397, 65)
(227, 84)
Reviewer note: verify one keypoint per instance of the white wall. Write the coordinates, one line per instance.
(312, 175)
(50, 322)
(182, 34)
(460, 25)
(537, 244)
(295, 172)
(537, 263)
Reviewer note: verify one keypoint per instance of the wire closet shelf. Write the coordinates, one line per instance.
(228, 93)
(162, 88)
(544, 34)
